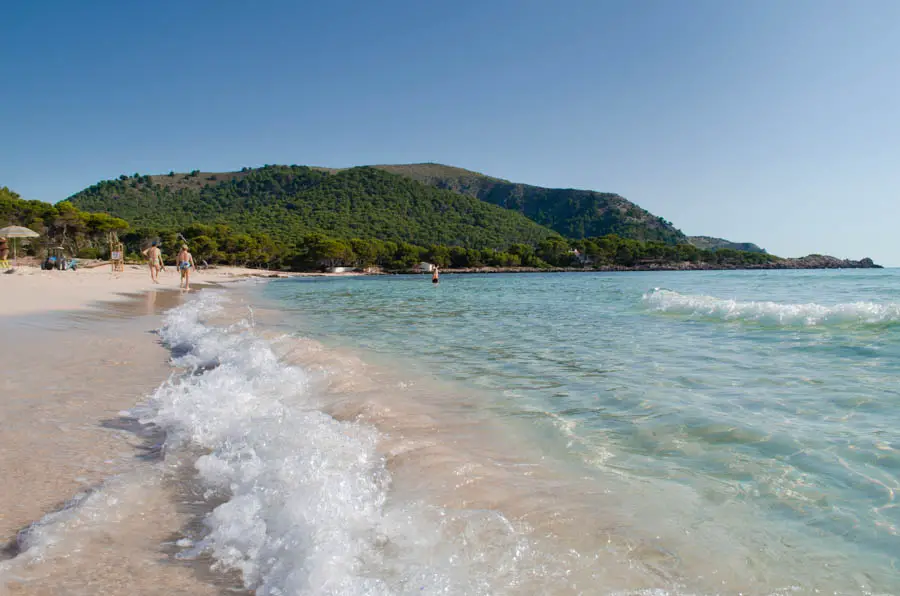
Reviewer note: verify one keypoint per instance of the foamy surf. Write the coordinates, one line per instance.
(771, 313)
(304, 502)
(307, 506)
(304, 492)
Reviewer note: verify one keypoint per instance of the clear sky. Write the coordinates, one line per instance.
(771, 121)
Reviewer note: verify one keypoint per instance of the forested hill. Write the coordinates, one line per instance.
(571, 212)
(287, 202)
(710, 243)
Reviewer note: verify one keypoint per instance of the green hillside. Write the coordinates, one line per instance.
(571, 212)
(710, 243)
(287, 202)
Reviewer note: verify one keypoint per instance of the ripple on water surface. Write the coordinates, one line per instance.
(746, 414)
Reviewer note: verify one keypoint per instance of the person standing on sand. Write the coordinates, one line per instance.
(434, 275)
(155, 256)
(185, 263)
(4, 254)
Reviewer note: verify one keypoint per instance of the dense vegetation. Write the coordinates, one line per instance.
(389, 216)
(289, 202)
(612, 250)
(570, 212)
(162, 200)
(597, 252)
(58, 225)
(221, 244)
(84, 234)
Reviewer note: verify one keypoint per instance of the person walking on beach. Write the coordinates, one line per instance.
(434, 275)
(185, 263)
(155, 256)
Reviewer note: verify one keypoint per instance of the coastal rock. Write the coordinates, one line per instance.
(826, 262)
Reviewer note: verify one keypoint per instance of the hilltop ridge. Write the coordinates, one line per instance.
(573, 213)
(711, 243)
(548, 206)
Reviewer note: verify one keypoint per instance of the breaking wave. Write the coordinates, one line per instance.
(772, 313)
(305, 502)
(300, 486)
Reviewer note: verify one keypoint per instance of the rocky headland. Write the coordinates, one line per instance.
(807, 262)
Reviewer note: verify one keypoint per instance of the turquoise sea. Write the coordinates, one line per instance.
(652, 433)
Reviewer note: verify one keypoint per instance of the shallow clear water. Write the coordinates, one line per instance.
(759, 407)
(644, 434)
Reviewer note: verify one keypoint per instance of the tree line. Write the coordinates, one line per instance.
(80, 233)
(220, 244)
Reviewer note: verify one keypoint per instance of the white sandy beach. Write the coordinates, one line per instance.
(29, 290)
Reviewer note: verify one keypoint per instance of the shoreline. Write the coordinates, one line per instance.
(790, 265)
(136, 518)
(811, 263)
(87, 504)
(28, 290)
(443, 446)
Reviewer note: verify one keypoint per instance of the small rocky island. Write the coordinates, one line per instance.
(825, 262)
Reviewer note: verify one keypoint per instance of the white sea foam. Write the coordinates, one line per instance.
(304, 490)
(305, 509)
(772, 313)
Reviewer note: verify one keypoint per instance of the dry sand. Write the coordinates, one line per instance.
(29, 290)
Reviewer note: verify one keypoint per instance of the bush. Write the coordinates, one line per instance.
(89, 253)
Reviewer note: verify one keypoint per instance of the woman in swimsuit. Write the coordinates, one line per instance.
(155, 256)
(434, 275)
(185, 263)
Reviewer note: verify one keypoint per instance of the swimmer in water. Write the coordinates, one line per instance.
(435, 275)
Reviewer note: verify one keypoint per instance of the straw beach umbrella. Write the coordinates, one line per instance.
(17, 232)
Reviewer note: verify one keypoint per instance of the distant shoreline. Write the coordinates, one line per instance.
(803, 263)
(627, 269)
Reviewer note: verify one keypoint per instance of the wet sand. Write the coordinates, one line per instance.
(86, 507)
(68, 376)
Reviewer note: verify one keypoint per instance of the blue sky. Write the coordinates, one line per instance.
(772, 121)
